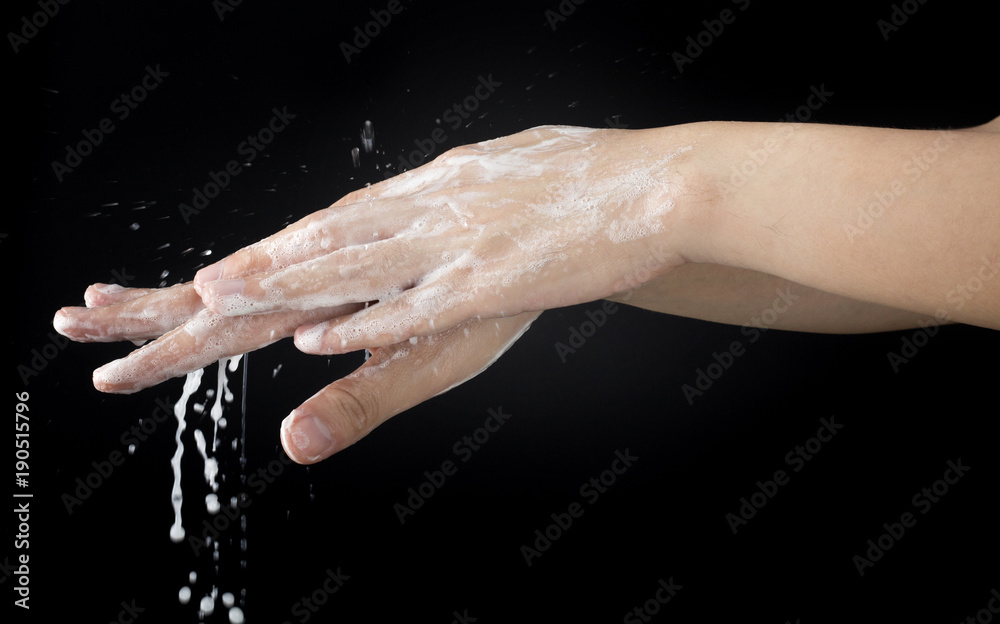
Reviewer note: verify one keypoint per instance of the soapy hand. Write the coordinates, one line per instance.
(545, 218)
(188, 337)
(437, 271)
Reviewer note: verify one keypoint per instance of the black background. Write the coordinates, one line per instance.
(666, 515)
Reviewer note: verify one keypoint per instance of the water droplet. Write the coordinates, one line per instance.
(356, 156)
(207, 605)
(236, 615)
(184, 595)
(368, 137)
(134, 227)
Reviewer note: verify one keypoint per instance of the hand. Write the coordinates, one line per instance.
(189, 337)
(545, 218)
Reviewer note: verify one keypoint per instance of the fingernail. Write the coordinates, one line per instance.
(115, 378)
(226, 288)
(210, 273)
(309, 338)
(61, 322)
(306, 437)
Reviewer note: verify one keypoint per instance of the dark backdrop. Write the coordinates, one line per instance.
(115, 218)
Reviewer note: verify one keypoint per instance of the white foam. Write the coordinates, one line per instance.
(212, 503)
(191, 384)
(211, 465)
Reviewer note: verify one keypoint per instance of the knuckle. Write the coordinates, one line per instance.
(350, 408)
(449, 156)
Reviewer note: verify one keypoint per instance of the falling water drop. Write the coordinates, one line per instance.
(368, 137)
(356, 156)
(207, 605)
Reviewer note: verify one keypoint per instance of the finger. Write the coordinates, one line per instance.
(420, 311)
(357, 274)
(107, 294)
(354, 219)
(322, 232)
(395, 379)
(149, 314)
(206, 338)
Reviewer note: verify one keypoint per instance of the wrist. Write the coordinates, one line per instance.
(731, 168)
(698, 192)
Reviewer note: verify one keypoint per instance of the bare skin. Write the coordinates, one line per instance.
(771, 233)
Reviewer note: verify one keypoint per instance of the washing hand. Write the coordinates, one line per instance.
(545, 218)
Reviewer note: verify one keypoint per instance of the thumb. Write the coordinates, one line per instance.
(394, 379)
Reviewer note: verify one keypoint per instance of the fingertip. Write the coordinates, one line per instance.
(311, 339)
(62, 321)
(100, 294)
(305, 438)
(208, 274)
(108, 378)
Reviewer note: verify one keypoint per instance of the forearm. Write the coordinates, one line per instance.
(736, 296)
(902, 219)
